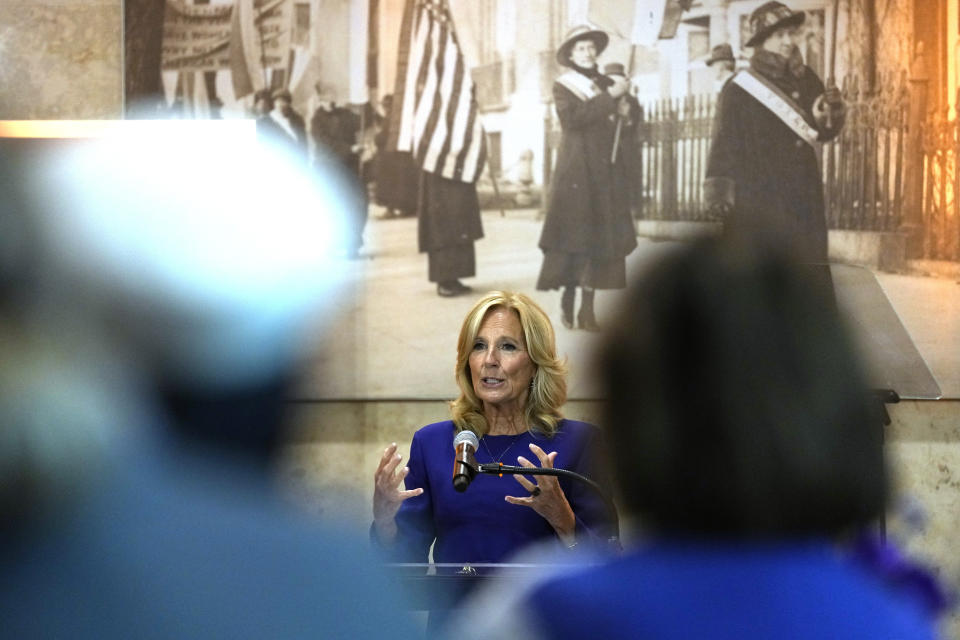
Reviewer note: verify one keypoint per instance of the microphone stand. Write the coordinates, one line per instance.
(883, 397)
(498, 468)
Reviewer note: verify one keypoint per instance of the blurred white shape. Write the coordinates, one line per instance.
(65, 399)
(213, 251)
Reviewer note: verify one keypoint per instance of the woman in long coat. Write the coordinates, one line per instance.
(763, 176)
(588, 231)
(395, 172)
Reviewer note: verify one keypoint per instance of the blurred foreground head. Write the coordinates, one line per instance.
(176, 265)
(737, 407)
(179, 274)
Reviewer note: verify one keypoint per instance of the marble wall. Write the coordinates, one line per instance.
(61, 59)
(923, 445)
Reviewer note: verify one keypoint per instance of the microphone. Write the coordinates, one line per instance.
(464, 464)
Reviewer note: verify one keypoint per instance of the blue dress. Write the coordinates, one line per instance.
(786, 590)
(478, 525)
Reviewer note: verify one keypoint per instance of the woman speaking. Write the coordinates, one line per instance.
(512, 386)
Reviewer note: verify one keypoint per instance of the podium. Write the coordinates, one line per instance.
(442, 586)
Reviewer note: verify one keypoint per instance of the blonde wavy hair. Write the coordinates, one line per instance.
(549, 386)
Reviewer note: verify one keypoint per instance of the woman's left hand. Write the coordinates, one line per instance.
(546, 497)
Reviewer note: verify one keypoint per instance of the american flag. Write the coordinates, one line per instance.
(435, 111)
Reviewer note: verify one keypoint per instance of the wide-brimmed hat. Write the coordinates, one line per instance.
(582, 32)
(614, 69)
(721, 52)
(769, 17)
(282, 94)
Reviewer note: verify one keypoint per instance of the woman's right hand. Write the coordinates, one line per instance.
(387, 495)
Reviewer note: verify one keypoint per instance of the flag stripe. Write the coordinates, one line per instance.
(453, 110)
(439, 121)
(435, 134)
(453, 83)
(472, 157)
(414, 80)
(426, 120)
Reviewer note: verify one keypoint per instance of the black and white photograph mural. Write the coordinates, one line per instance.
(555, 147)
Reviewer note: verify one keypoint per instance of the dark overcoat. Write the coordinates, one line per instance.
(448, 213)
(766, 171)
(395, 174)
(336, 130)
(583, 215)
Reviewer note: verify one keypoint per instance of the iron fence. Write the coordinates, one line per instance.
(940, 221)
(865, 167)
(674, 140)
(889, 170)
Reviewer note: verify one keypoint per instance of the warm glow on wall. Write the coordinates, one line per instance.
(104, 128)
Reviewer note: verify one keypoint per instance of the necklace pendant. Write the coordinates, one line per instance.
(502, 453)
